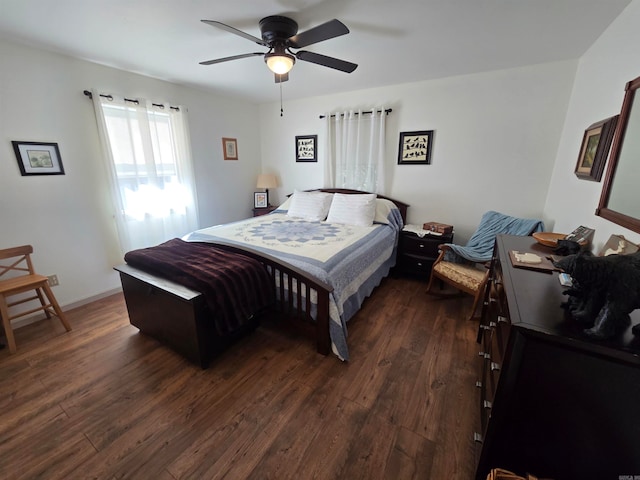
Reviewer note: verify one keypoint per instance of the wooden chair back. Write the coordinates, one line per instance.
(18, 276)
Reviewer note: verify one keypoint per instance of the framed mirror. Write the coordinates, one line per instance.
(620, 198)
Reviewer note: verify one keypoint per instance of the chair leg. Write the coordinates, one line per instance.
(56, 307)
(43, 303)
(476, 301)
(6, 324)
(430, 283)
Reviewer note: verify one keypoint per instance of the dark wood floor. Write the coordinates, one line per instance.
(104, 401)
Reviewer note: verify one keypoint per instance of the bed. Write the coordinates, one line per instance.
(320, 270)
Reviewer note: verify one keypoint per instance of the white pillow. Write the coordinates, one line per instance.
(312, 206)
(353, 209)
(383, 209)
(285, 205)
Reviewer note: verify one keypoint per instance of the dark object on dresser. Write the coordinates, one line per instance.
(605, 291)
(567, 247)
(552, 400)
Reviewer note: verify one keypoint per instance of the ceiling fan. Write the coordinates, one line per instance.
(280, 35)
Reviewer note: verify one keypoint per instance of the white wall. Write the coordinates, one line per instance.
(496, 138)
(68, 218)
(601, 77)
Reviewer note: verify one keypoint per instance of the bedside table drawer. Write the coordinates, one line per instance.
(409, 263)
(425, 246)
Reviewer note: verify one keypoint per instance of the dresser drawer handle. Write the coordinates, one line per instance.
(485, 355)
(421, 245)
(495, 366)
(493, 324)
(487, 404)
(479, 384)
(502, 319)
(419, 264)
(477, 437)
(485, 327)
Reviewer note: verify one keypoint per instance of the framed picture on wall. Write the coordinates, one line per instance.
(37, 158)
(415, 147)
(306, 148)
(230, 148)
(594, 150)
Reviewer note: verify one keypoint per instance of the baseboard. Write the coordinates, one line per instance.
(70, 306)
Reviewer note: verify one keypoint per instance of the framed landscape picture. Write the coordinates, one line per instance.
(594, 150)
(37, 158)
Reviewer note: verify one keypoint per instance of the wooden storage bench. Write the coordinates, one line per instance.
(173, 314)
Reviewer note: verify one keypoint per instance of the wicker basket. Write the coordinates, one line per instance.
(501, 474)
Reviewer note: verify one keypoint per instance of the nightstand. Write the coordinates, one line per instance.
(417, 254)
(263, 211)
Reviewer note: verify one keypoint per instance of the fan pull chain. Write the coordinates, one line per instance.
(281, 109)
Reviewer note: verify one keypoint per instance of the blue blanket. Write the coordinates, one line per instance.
(480, 245)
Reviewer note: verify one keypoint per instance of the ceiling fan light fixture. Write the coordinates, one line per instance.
(279, 62)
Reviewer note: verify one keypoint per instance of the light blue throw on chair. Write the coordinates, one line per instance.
(479, 248)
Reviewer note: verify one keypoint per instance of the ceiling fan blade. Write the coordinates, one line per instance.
(280, 78)
(235, 31)
(331, 29)
(325, 61)
(227, 59)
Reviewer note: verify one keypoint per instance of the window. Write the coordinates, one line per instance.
(148, 156)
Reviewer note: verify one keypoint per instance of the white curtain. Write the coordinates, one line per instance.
(148, 156)
(356, 145)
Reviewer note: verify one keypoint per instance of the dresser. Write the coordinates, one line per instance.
(553, 402)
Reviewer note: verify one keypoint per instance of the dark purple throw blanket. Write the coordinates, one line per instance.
(235, 286)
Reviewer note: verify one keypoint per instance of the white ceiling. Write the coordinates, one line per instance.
(391, 41)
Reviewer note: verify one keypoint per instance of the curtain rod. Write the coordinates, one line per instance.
(90, 95)
(387, 111)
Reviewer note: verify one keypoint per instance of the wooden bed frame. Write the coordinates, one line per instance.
(180, 318)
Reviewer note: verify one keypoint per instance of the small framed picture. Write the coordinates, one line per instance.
(260, 200)
(415, 148)
(230, 148)
(36, 158)
(306, 148)
(595, 149)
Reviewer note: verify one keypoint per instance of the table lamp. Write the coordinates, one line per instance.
(267, 181)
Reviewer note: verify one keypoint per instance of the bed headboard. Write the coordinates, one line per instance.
(401, 205)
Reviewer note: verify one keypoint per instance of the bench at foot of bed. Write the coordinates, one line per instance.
(173, 314)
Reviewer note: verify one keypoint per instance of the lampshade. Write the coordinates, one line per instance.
(267, 180)
(279, 62)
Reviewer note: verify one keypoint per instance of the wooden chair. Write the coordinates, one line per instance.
(11, 284)
(471, 276)
(467, 278)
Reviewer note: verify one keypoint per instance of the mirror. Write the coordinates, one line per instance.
(619, 201)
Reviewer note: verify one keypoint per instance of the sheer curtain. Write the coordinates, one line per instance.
(356, 144)
(147, 153)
